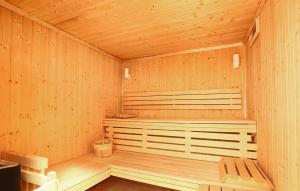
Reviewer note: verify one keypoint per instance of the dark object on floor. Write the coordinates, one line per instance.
(9, 176)
(119, 184)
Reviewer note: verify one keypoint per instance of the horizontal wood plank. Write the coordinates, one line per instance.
(184, 102)
(185, 92)
(183, 97)
(181, 107)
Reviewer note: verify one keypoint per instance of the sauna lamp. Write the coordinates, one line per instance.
(236, 61)
(126, 73)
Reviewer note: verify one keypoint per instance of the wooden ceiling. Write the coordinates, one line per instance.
(131, 29)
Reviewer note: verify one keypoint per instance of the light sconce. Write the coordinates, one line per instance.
(126, 73)
(236, 61)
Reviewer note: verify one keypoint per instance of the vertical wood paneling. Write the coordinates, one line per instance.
(274, 90)
(54, 91)
(5, 49)
(15, 78)
(202, 70)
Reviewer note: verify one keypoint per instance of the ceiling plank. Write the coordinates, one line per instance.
(134, 29)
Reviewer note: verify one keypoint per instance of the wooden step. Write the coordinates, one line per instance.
(246, 172)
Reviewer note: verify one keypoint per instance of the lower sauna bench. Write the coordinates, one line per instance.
(175, 173)
(82, 173)
(169, 172)
(176, 154)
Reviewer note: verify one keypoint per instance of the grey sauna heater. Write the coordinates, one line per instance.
(9, 176)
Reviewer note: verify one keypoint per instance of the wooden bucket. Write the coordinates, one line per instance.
(103, 149)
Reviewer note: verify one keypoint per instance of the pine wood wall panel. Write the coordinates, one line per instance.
(4, 78)
(274, 91)
(54, 91)
(202, 70)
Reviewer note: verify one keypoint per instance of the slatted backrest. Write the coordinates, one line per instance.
(181, 100)
(32, 169)
(202, 140)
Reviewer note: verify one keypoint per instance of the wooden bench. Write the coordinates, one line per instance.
(33, 172)
(82, 173)
(181, 100)
(152, 169)
(208, 140)
(170, 172)
(159, 152)
(176, 154)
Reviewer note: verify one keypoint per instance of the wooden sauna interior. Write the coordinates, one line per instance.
(62, 78)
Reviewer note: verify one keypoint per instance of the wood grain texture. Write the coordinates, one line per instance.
(180, 100)
(244, 172)
(33, 170)
(54, 91)
(200, 140)
(195, 71)
(274, 90)
(51, 27)
(5, 50)
(133, 29)
(159, 167)
(169, 172)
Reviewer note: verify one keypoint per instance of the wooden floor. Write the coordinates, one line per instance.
(120, 184)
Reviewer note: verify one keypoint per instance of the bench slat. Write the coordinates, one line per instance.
(184, 102)
(231, 170)
(182, 107)
(185, 92)
(254, 172)
(183, 97)
(242, 169)
(128, 142)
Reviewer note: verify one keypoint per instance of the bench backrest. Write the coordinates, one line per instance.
(182, 100)
(33, 170)
(202, 140)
